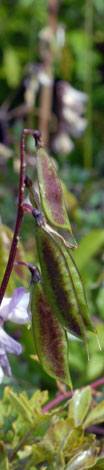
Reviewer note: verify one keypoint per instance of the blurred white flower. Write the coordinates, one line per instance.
(60, 35)
(14, 309)
(50, 36)
(62, 143)
(46, 35)
(71, 97)
(44, 79)
(31, 90)
(76, 123)
(71, 107)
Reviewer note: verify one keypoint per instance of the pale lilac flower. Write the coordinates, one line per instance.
(14, 309)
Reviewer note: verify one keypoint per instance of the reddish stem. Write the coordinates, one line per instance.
(96, 430)
(28, 208)
(62, 396)
(20, 211)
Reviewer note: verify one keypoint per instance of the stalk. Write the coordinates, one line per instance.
(20, 211)
(88, 144)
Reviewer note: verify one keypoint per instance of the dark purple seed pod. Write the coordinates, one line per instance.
(49, 335)
(59, 286)
(51, 193)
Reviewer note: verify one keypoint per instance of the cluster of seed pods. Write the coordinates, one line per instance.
(58, 301)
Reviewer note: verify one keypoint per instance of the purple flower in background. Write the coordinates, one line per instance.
(14, 309)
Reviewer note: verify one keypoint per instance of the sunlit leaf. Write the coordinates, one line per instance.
(95, 366)
(79, 404)
(4, 464)
(12, 66)
(83, 460)
(21, 405)
(42, 451)
(70, 200)
(95, 416)
(99, 465)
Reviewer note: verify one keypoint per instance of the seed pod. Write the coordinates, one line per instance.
(51, 193)
(79, 287)
(59, 286)
(49, 336)
(33, 193)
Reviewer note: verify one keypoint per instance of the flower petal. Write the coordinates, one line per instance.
(9, 344)
(4, 364)
(17, 296)
(70, 96)
(4, 307)
(1, 374)
(18, 306)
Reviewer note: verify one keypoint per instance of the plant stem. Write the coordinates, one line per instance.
(88, 146)
(46, 93)
(20, 211)
(21, 444)
(62, 397)
(96, 430)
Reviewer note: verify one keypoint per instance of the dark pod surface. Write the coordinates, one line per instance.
(51, 193)
(59, 286)
(49, 336)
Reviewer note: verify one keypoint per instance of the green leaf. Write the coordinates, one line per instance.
(99, 465)
(95, 367)
(59, 430)
(79, 404)
(38, 399)
(73, 441)
(89, 246)
(4, 465)
(42, 451)
(12, 67)
(49, 336)
(70, 200)
(51, 193)
(95, 416)
(100, 301)
(26, 452)
(83, 460)
(21, 405)
(65, 436)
